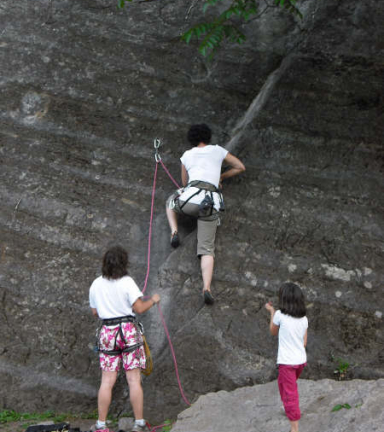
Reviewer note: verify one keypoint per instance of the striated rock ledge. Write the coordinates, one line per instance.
(259, 409)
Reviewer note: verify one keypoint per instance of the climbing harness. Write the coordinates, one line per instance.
(128, 349)
(118, 322)
(206, 206)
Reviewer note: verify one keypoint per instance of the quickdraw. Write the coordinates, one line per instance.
(156, 145)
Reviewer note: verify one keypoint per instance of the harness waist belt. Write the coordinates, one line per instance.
(119, 320)
(129, 349)
(204, 185)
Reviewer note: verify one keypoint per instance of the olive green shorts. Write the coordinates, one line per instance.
(206, 225)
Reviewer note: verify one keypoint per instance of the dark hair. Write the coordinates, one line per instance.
(199, 133)
(291, 300)
(115, 263)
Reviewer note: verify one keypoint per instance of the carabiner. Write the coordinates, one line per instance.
(156, 145)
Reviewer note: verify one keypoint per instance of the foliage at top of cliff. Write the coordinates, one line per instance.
(225, 25)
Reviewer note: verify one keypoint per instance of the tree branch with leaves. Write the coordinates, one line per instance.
(225, 26)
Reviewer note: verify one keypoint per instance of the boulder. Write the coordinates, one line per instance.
(326, 405)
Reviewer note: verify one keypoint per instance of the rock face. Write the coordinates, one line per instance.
(85, 88)
(258, 408)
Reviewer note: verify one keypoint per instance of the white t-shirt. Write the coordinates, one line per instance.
(113, 298)
(291, 339)
(203, 164)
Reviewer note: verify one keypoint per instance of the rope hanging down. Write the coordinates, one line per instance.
(156, 145)
(158, 160)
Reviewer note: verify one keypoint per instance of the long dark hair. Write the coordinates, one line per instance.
(291, 300)
(115, 263)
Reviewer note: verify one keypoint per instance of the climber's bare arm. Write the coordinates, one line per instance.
(236, 165)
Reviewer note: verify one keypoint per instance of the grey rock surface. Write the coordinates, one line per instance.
(84, 90)
(258, 408)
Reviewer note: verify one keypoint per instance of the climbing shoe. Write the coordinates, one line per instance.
(103, 430)
(208, 298)
(138, 428)
(175, 241)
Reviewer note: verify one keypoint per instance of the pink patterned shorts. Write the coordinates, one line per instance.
(110, 339)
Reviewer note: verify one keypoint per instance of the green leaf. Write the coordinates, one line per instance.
(209, 3)
(121, 4)
(237, 11)
(187, 36)
(337, 408)
(203, 50)
(205, 7)
(240, 39)
(341, 406)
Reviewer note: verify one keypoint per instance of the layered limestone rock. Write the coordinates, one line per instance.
(85, 88)
(325, 405)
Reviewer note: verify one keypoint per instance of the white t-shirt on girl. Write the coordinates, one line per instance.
(203, 164)
(291, 339)
(113, 298)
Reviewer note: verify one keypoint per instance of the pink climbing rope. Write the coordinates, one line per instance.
(151, 218)
(150, 230)
(155, 428)
(169, 174)
(173, 355)
(147, 276)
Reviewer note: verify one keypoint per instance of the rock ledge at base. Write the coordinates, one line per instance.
(259, 409)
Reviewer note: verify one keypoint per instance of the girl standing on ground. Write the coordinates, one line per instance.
(291, 324)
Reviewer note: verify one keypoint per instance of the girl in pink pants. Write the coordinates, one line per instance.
(291, 325)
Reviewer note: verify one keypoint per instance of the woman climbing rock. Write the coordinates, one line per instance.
(201, 197)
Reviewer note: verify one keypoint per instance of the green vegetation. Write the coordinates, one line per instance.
(8, 416)
(341, 406)
(342, 367)
(225, 26)
(167, 426)
(11, 416)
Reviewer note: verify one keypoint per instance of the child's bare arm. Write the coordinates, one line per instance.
(273, 328)
(305, 338)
